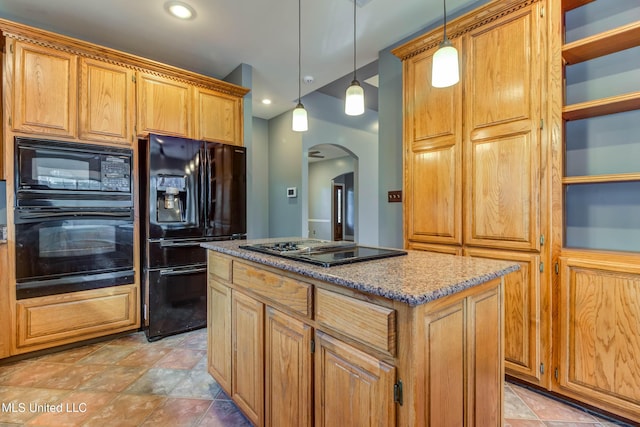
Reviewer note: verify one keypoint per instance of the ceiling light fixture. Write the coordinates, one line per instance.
(445, 71)
(299, 121)
(180, 10)
(354, 100)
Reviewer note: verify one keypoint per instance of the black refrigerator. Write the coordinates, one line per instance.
(191, 192)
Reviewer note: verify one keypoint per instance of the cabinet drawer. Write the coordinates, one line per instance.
(283, 291)
(368, 323)
(219, 266)
(60, 319)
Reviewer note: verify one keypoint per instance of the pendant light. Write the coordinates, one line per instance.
(354, 100)
(445, 71)
(299, 122)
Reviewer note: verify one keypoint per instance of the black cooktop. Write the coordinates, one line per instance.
(323, 253)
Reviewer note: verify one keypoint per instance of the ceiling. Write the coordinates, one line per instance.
(227, 33)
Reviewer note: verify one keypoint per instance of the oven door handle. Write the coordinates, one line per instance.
(57, 214)
(170, 272)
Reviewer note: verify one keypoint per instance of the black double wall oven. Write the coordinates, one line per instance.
(74, 217)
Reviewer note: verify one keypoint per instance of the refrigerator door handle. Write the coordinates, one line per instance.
(182, 272)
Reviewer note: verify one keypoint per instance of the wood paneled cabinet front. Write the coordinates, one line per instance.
(107, 102)
(599, 339)
(345, 361)
(473, 158)
(45, 89)
(218, 117)
(163, 105)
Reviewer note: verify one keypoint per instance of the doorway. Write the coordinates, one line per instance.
(337, 208)
(332, 203)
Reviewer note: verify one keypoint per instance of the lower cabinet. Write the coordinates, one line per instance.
(599, 335)
(289, 368)
(49, 321)
(352, 387)
(355, 359)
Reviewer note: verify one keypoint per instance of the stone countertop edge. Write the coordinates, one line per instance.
(402, 278)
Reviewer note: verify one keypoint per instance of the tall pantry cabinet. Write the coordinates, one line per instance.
(533, 157)
(473, 156)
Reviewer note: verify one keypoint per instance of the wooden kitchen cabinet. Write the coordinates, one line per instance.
(219, 336)
(473, 161)
(352, 388)
(502, 142)
(288, 371)
(44, 90)
(345, 361)
(44, 322)
(523, 348)
(5, 305)
(597, 187)
(163, 105)
(247, 361)
(432, 155)
(107, 102)
(599, 340)
(217, 117)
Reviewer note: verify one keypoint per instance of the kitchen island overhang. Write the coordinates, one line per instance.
(423, 331)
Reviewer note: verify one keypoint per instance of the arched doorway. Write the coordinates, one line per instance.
(332, 203)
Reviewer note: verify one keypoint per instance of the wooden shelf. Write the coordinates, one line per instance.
(596, 179)
(602, 44)
(568, 5)
(602, 107)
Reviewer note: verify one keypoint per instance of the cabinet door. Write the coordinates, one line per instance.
(433, 155)
(219, 333)
(45, 90)
(164, 105)
(106, 102)
(352, 388)
(218, 117)
(288, 368)
(502, 133)
(460, 339)
(599, 337)
(247, 317)
(524, 327)
(5, 306)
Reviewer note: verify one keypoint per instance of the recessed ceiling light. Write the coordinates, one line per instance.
(266, 101)
(180, 10)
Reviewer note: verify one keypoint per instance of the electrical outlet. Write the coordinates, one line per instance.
(394, 196)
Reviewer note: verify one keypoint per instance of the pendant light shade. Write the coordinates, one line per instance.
(354, 99)
(445, 71)
(299, 122)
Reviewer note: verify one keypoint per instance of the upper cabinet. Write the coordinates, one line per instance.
(63, 87)
(107, 102)
(218, 117)
(44, 90)
(502, 132)
(164, 105)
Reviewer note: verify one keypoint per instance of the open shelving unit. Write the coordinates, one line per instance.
(596, 150)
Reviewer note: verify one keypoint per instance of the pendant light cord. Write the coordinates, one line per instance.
(354, 40)
(299, 50)
(444, 3)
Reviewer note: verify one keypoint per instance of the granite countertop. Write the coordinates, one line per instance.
(417, 278)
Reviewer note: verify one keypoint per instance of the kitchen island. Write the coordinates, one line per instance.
(412, 340)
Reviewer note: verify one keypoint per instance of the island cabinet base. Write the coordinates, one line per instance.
(294, 351)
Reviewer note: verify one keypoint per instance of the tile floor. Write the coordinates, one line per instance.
(130, 382)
